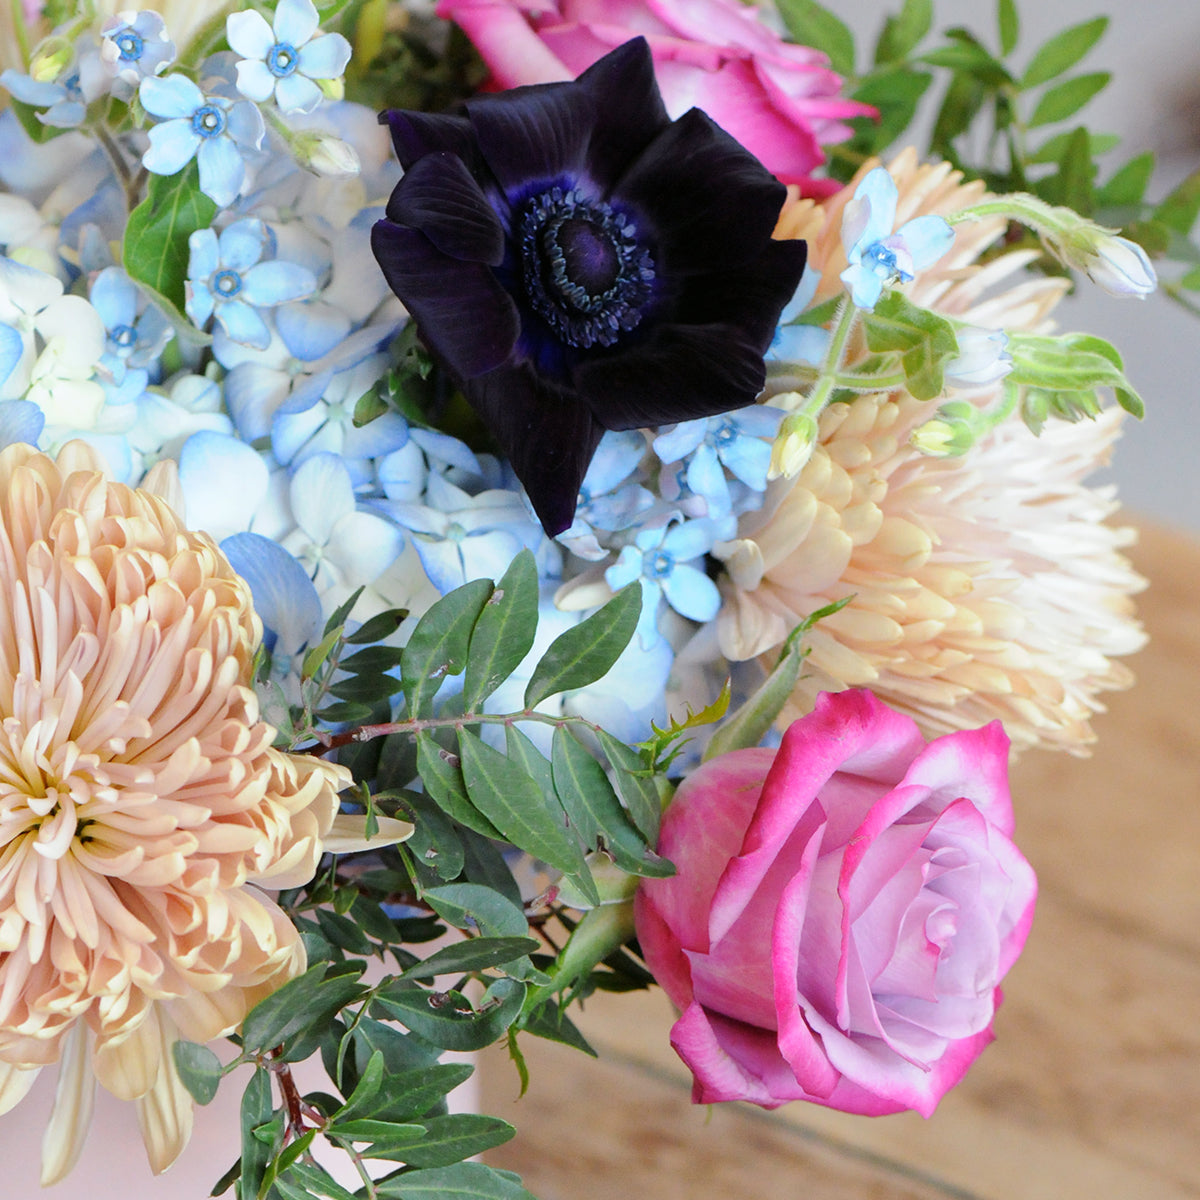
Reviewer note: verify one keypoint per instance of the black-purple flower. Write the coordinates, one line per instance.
(581, 263)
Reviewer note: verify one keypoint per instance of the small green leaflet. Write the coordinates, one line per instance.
(155, 250)
(504, 633)
(923, 340)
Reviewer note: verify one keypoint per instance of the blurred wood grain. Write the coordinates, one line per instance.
(1092, 1089)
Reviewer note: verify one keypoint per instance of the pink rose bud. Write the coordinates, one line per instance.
(781, 101)
(843, 912)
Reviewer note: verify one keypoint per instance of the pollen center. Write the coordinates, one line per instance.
(585, 271)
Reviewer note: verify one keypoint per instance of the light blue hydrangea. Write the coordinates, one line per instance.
(609, 500)
(340, 547)
(877, 256)
(664, 559)
(284, 596)
(286, 59)
(135, 46)
(459, 537)
(214, 130)
(228, 279)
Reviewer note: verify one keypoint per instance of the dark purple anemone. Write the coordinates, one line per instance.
(580, 262)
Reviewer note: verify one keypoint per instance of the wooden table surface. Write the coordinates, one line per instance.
(1092, 1088)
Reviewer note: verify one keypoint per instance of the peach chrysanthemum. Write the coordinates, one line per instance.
(140, 800)
(984, 586)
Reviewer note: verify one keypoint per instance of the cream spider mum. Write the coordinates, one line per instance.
(984, 586)
(141, 800)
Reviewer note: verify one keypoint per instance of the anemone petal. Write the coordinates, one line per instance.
(438, 291)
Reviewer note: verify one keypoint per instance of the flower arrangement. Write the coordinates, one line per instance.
(523, 500)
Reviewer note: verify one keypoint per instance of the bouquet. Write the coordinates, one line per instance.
(524, 499)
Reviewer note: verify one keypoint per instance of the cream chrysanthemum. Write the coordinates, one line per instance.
(140, 800)
(984, 586)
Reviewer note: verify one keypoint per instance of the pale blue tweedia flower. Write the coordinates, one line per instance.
(66, 97)
(216, 131)
(877, 256)
(228, 279)
(137, 331)
(663, 560)
(133, 47)
(285, 60)
(711, 445)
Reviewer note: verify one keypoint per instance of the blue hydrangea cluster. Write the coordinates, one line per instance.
(287, 323)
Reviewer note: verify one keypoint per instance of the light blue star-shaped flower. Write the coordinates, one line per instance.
(135, 338)
(216, 131)
(663, 560)
(135, 46)
(285, 60)
(228, 280)
(877, 256)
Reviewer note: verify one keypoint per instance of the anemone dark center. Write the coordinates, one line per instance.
(585, 271)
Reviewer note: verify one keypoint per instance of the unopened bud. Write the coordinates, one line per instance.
(52, 58)
(983, 358)
(1120, 267)
(326, 155)
(332, 89)
(793, 446)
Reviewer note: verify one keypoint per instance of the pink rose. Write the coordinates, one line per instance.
(844, 909)
(780, 101)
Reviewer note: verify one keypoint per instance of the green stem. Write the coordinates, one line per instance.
(414, 725)
(18, 20)
(843, 325)
(883, 381)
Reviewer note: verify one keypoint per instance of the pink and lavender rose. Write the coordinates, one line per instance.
(844, 910)
(781, 101)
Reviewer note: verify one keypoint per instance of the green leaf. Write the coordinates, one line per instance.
(435, 842)
(410, 1092)
(1127, 187)
(634, 787)
(1067, 98)
(1180, 209)
(1009, 26)
(471, 906)
(750, 723)
(812, 24)
(474, 954)
(155, 250)
(1191, 281)
(924, 341)
(586, 652)
(1063, 51)
(450, 1139)
(462, 1181)
(300, 1006)
(514, 803)
(448, 1019)
(315, 658)
(904, 31)
(441, 773)
(378, 627)
(438, 645)
(256, 1109)
(386, 1137)
(1053, 149)
(529, 758)
(1075, 173)
(963, 100)
(895, 92)
(316, 1181)
(342, 931)
(374, 660)
(965, 53)
(551, 1023)
(199, 1070)
(341, 614)
(504, 633)
(594, 810)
